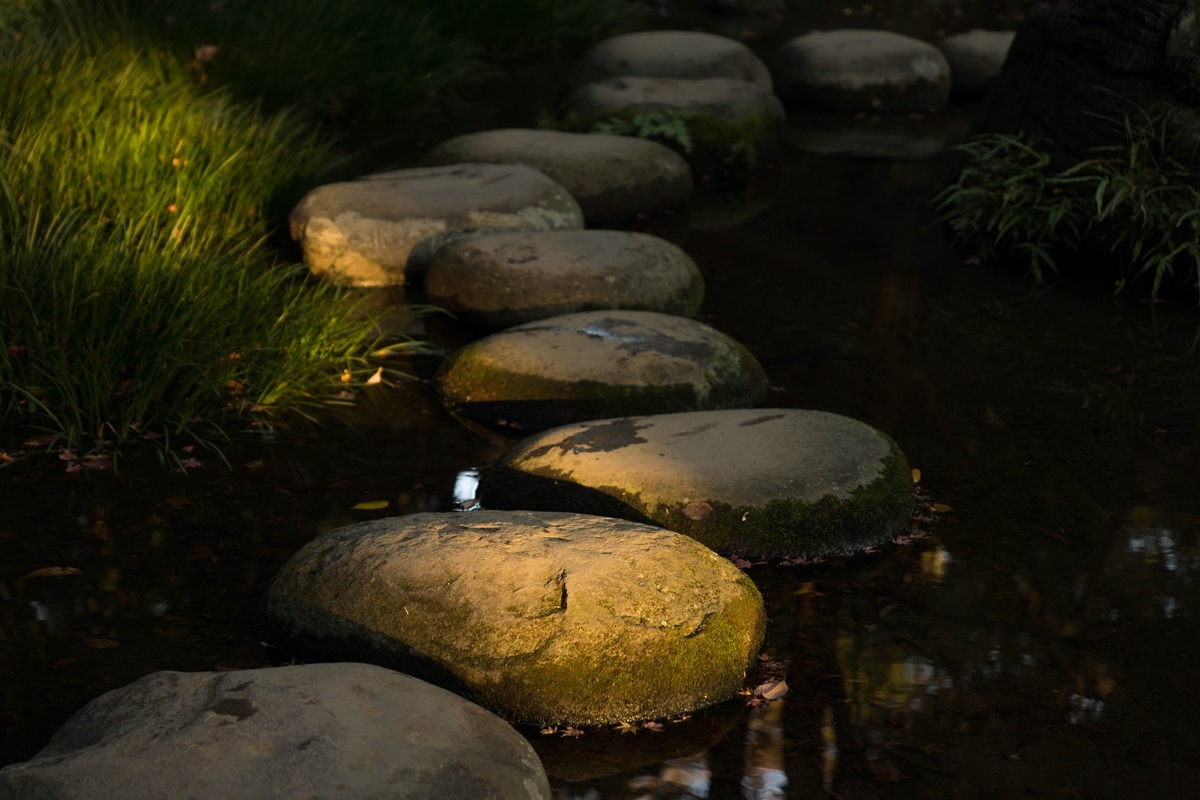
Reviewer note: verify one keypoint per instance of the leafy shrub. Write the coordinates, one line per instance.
(1011, 201)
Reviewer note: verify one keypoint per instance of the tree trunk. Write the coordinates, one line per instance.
(1077, 69)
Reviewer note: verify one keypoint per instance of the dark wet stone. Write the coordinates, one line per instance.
(672, 54)
(598, 364)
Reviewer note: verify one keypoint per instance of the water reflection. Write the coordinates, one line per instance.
(1155, 559)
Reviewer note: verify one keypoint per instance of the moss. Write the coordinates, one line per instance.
(873, 514)
(474, 385)
(685, 671)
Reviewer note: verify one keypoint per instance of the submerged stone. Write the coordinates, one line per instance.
(609, 176)
(504, 279)
(320, 730)
(860, 70)
(543, 618)
(770, 482)
(598, 364)
(672, 54)
(713, 120)
(376, 230)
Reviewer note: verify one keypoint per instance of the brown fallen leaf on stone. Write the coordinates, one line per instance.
(53, 572)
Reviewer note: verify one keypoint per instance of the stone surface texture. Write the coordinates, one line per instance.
(351, 731)
(541, 617)
(861, 70)
(672, 54)
(609, 176)
(975, 57)
(377, 230)
(773, 482)
(505, 279)
(596, 364)
(727, 120)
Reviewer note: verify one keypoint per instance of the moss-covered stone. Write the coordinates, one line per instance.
(543, 618)
(765, 482)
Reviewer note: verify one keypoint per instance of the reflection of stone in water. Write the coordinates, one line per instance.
(766, 773)
(1084, 709)
(1154, 559)
(934, 563)
(691, 775)
(829, 749)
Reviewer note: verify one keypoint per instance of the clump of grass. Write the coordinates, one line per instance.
(136, 292)
(1012, 201)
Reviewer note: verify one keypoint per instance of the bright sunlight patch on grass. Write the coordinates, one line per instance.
(135, 290)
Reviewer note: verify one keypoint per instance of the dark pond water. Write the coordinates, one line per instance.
(1041, 641)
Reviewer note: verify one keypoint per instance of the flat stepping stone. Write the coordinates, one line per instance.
(336, 731)
(975, 58)
(543, 618)
(767, 482)
(503, 279)
(610, 176)
(672, 54)
(714, 120)
(860, 70)
(375, 230)
(598, 364)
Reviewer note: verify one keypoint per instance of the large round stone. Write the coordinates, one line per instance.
(714, 120)
(504, 279)
(372, 231)
(975, 58)
(598, 364)
(544, 618)
(857, 70)
(321, 730)
(672, 54)
(610, 176)
(770, 482)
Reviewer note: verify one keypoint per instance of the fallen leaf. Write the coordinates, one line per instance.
(916, 475)
(53, 572)
(371, 505)
(773, 690)
(941, 508)
(573, 733)
(698, 511)
(376, 378)
(178, 502)
(38, 441)
(883, 612)
(99, 642)
(626, 727)
(656, 727)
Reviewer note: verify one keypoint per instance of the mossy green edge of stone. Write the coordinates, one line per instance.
(599, 690)
(874, 513)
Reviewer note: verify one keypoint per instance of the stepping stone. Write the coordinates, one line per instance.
(375, 230)
(598, 364)
(857, 70)
(672, 54)
(336, 731)
(713, 120)
(542, 618)
(975, 58)
(503, 279)
(609, 176)
(765, 482)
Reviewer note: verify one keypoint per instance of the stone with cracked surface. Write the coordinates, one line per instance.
(339, 731)
(541, 617)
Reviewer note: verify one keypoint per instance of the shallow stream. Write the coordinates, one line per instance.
(1041, 640)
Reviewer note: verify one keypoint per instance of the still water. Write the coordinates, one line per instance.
(1040, 641)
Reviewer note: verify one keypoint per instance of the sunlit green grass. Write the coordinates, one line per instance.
(135, 290)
